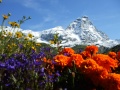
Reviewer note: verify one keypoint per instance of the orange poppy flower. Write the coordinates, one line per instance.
(46, 60)
(105, 61)
(112, 55)
(85, 54)
(61, 60)
(68, 51)
(92, 49)
(112, 82)
(118, 56)
(77, 58)
(93, 71)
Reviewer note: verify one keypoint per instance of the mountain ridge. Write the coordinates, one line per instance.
(79, 32)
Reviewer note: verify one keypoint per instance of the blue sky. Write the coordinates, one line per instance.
(45, 14)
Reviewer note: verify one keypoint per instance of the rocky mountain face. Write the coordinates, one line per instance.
(81, 31)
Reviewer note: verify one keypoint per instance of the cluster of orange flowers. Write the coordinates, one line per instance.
(67, 56)
(98, 67)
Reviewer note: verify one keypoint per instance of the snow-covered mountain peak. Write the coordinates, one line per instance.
(80, 23)
(57, 28)
(86, 23)
(84, 18)
(80, 31)
(86, 31)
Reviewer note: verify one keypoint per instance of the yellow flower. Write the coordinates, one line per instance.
(9, 46)
(30, 35)
(33, 48)
(51, 42)
(18, 34)
(38, 44)
(17, 25)
(14, 24)
(28, 44)
(9, 34)
(13, 44)
(5, 17)
(26, 38)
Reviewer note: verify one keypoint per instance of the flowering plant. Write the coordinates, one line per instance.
(25, 65)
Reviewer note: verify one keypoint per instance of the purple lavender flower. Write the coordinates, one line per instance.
(20, 46)
(57, 73)
(42, 69)
(8, 84)
(2, 65)
(37, 62)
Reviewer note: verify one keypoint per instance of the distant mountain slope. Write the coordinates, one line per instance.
(115, 48)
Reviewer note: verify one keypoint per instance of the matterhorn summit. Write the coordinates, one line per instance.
(80, 31)
(86, 30)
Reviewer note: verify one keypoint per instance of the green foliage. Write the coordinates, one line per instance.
(29, 65)
(79, 48)
(56, 42)
(107, 50)
(24, 18)
(15, 41)
(115, 48)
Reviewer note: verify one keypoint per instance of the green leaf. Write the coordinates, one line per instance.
(14, 79)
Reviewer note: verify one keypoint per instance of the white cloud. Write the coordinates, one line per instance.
(47, 19)
(38, 4)
(44, 23)
(37, 26)
(31, 5)
(47, 14)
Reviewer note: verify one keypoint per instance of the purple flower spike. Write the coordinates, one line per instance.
(2, 65)
(57, 73)
(20, 46)
(42, 69)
